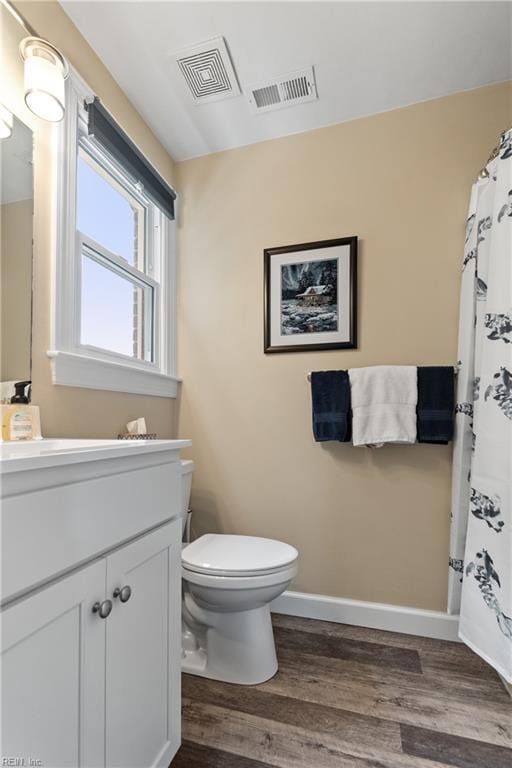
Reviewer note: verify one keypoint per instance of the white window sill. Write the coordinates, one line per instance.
(72, 370)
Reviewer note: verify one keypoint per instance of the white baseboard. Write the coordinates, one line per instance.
(394, 618)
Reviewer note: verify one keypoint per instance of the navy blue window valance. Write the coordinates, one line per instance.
(105, 130)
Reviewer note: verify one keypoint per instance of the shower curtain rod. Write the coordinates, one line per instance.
(455, 370)
(484, 173)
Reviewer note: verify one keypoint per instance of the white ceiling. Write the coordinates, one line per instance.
(369, 57)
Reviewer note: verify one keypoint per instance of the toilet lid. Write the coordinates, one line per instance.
(236, 555)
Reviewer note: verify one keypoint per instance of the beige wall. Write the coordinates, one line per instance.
(65, 411)
(370, 525)
(16, 282)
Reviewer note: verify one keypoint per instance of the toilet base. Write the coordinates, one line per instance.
(238, 649)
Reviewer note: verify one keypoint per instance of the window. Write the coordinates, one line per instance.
(117, 308)
(108, 213)
(118, 292)
(114, 300)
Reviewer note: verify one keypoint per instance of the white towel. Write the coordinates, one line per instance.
(384, 399)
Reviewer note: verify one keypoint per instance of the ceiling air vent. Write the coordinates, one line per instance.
(208, 71)
(294, 88)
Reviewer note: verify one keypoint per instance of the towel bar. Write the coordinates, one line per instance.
(455, 370)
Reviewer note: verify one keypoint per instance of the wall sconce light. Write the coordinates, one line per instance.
(45, 72)
(6, 121)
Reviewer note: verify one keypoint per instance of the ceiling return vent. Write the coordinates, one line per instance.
(208, 71)
(293, 88)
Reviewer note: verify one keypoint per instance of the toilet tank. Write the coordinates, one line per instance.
(187, 468)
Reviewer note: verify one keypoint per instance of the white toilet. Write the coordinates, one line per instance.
(228, 584)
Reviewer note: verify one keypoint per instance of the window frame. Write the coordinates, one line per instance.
(76, 364)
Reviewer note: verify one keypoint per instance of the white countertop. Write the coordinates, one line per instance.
(54, 452)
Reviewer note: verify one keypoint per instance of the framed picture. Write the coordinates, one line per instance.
(311, 296)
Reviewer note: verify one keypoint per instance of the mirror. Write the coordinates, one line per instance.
(16, 214)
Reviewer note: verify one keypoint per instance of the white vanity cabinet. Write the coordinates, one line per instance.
(91, 651)
(143, 650)
(53, 674)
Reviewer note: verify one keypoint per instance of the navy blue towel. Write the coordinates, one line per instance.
(332, 417)
(436, 404)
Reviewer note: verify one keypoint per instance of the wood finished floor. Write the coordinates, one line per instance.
(348, 697)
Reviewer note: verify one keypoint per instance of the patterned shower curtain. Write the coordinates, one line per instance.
(480, 572)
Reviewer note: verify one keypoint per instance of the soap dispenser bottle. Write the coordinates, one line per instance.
(20, 420)
(20, 396)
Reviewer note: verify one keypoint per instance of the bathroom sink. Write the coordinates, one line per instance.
(34, 454)
(65, 502)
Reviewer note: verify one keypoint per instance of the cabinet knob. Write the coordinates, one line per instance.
(103, 609)
(123, 593)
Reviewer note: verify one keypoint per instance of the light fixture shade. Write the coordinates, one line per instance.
(6, 122)
(45, 73)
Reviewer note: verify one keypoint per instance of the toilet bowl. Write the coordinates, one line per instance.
(228, 584)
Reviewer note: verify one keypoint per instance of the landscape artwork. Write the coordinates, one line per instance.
(309, 297)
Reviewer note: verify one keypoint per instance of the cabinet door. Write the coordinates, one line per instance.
(53, 679)
(143, 695)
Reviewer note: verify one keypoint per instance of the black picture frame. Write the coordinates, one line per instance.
(300, 249)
